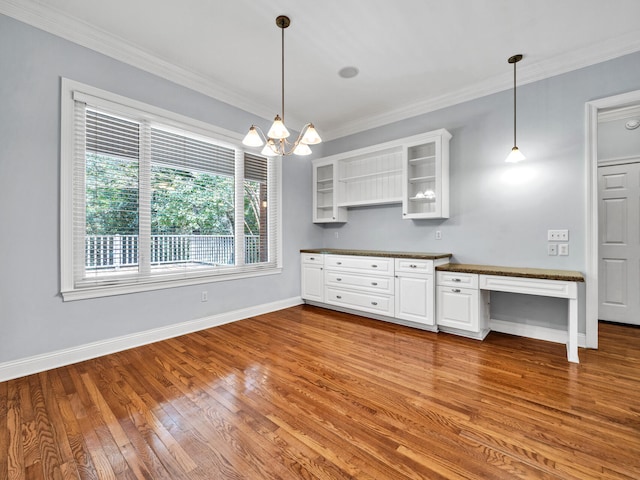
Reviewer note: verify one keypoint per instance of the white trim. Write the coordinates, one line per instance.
(618, 161)
(591, 201)
(59, 358)
(109, 290)
(49, 19)
(534, 331)
(619, 114)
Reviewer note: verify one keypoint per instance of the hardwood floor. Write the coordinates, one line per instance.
(310, 393)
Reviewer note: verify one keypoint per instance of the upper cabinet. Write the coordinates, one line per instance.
(325, 207)
(425, 178)
(413, 171)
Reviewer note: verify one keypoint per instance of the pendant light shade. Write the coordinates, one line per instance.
(275, 142)
(515, 155)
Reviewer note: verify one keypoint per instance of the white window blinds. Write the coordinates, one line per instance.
(155, 201)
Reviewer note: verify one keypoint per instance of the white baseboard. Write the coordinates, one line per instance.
(39, 363)
(534, 331)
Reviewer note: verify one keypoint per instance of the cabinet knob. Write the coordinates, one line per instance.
(455, 280)
(413, 266)
(455, 290)
(374, 266)
(338, 296)
(374, 303)
(374, 283)
(333, 218)
(312, 258)
(338, 279)
(338, 263)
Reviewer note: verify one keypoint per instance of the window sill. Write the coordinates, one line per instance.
(111, 290)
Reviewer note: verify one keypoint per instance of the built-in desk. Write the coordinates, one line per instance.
(530, 281)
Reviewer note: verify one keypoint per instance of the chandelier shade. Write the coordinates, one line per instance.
(275, 141)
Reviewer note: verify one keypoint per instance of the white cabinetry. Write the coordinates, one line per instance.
(312, 277)
(325, 208)
(413, 171)
(361, 283)
(399, 289)
(425, 177)
(414, 298)
(461, 307)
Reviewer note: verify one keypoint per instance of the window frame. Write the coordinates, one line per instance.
(140, 110)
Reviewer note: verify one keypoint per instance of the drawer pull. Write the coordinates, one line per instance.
(312, 258)
(338, 296)
(338, 263)
(374, 283)
(374, 303)
(413, 266)
(374, 266)
(338, 279)
(455, 290)
(456, 280)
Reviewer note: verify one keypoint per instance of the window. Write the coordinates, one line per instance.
(151, 199)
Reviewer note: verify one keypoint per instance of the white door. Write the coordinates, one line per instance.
(619, 232)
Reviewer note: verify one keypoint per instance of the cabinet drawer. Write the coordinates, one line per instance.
(382, 304)
(409, 265)
(369, 283)
(313, 258)
(356, 264)
(453, 279)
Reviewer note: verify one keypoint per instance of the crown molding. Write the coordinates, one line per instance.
(619, 114)
(558, 65)
(53, 21)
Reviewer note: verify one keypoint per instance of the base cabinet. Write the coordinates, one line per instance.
(312, 277)
(461, 307)
(400, 288)
(414, 299)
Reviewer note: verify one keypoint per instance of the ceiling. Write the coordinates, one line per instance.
(413, 56)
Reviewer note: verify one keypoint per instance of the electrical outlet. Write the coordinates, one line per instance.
(337, 235)
(558, 235)
(203, 296)
(438, 235)
(552, 249)
(563, 249)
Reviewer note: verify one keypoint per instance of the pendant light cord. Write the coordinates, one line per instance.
(514, 104)
(282, 51)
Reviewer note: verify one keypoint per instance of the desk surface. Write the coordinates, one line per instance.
(546, 274)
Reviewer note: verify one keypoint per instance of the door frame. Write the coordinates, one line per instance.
(591, 157)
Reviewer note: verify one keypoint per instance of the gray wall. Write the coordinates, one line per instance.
(33, 317)
(498, 217)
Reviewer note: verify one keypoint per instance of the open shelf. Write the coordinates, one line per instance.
(363, 176)
(325, 190)
(429, 158)
(427, 178)
(422, 199)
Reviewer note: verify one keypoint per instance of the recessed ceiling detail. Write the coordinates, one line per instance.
(348, 72)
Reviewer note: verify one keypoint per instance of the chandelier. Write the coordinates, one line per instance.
(275, 142)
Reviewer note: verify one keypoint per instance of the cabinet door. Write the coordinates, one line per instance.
(312, 282)
(426, 178)
(325, 209)
(414, 298)
(458, 308)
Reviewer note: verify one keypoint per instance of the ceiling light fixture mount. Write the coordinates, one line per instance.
(275, 142)
(515, 155)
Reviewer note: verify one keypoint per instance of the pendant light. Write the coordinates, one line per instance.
(515, 155)
(275, 142)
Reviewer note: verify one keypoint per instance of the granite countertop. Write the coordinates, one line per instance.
(547, 274)
(377, 253)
